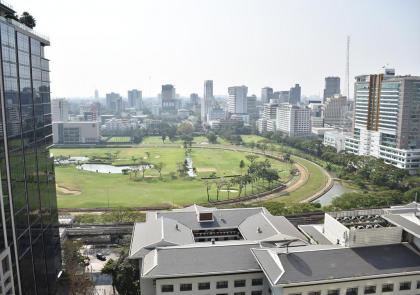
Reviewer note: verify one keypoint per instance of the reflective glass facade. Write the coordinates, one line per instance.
(28, 208)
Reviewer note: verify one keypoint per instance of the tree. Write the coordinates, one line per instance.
(212, 137)
(163, 137)
(251, 158)
(242, 165)
(271, 175)
(220, 183)
(158, 167)
(185, 128)
(143, 165)
(125, 274)
(208, 188)
(76, 279)
(28, 20)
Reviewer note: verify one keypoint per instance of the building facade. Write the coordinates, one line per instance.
(293, 120)
(295, 95)
(237, 100)
(135, 99)
(208, 98)
(335, 110)
(387, 118)
(252, 107)
(29, 239)
(266, 94)
(332, 87)
(114, 103)
(60, 110)
(77, 132)
(168, 96)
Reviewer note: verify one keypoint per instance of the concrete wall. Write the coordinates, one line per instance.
(375, 236)
(334, 230)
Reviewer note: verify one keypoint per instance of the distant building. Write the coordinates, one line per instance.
(207, 101)
(60, 110)
(283, 96)
(252, 107)
(332, 87)
(114, 103)
(270, 111)
(293, 120)
(76, 132)
(194, 99)
(386, 119)
(183, 113)
(237, 100)
(135, 99)
(266, 94)
(96, 94)
(216, 114)
(168, 96)
(335, 109)
(295, 95)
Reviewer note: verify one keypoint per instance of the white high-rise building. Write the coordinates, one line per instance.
(207, 100)
(237, 101)
(386, 122)
(60, 110)
(293, 120)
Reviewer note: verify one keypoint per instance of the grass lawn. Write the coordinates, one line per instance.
(316, 181)
(253, 138)
(91, 189)
(197, 140)
(122, 139)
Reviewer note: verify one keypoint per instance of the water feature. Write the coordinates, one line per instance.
(106, 168)
(191, 172)
(337, 190)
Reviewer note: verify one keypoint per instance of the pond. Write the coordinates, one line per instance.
(337, 190)
(106, 168)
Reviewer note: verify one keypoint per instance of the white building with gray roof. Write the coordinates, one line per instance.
(248, 251)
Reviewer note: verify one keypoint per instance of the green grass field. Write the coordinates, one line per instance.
(120, 139)
(78, 188)
(196, 140)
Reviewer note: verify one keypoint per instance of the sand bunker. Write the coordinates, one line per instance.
(66, 191)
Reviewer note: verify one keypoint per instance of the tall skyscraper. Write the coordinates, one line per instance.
(387, 119)
(252, 107)
(207, 102)
(135, 99)
(60, 110)
(294, 95)
(194, 99)
(334, 111)
(30, 254)
(266, 94)
(96, 94)
(168, 98)
(332, 87)
(237, 100)
(114, 103)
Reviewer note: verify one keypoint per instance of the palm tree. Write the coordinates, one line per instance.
(242, 165)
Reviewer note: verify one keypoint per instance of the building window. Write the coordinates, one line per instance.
(185, 287)
(259, 292)
(387, 287)
(222, 285)
(405, 286)
(333, 292)
(351, 291)
(257, 282)
(239, 283)
(314, 293)
(239, 293)
(167, 288)
(370, 289)
(418, 284)
(204, 286)
(5, 264)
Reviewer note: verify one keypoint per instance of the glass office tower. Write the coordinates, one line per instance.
(30, 255)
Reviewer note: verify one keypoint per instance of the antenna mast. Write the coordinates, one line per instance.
(348, 67)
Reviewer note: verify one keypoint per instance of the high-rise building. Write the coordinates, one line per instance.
(332, 87)
(194, 99)
(295, 94)
(252, 107)
(386, 119)
(30, 254)
(96, 94)
(266, 94)
(208, 98)
(237, 101)
(135, 99)
(283, 96)
(60, 110)
(293, 120)
(168, 98)
(335, 109)
(114, 103)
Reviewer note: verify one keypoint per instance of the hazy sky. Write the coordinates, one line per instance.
(119, 45)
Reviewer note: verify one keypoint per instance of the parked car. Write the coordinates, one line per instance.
(101, 256)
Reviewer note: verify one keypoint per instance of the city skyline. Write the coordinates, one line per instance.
(233, 43)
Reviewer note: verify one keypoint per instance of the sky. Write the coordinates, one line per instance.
(126, 44)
